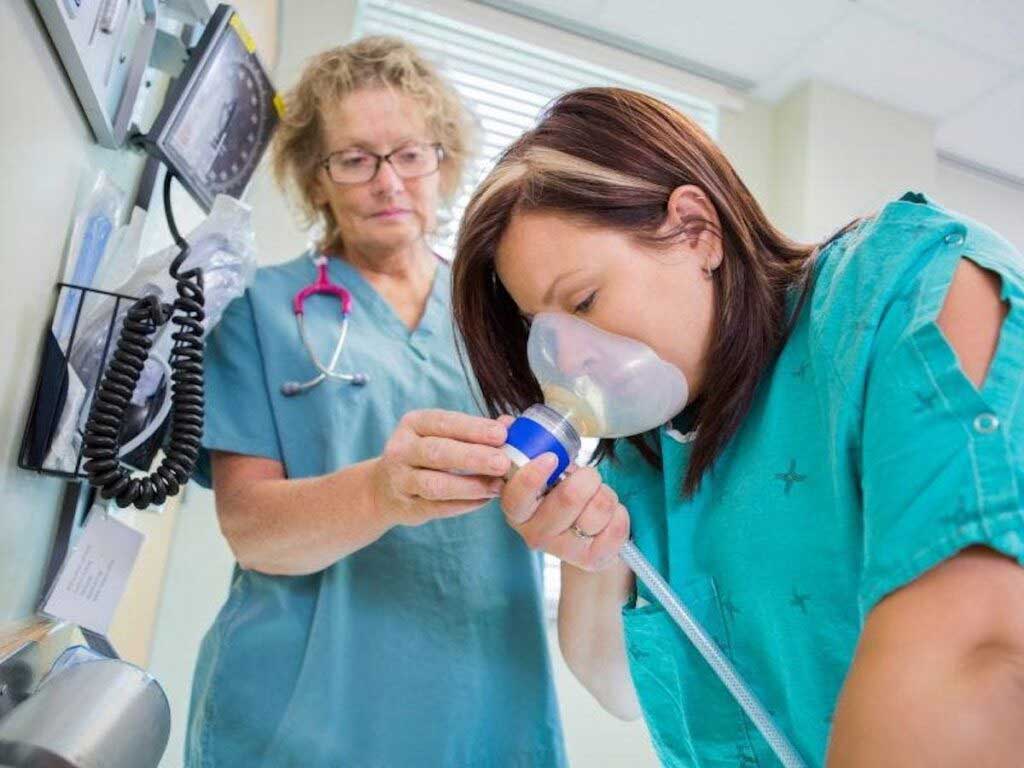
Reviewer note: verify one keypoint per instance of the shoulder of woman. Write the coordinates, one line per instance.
(895, 269)
(878, 259)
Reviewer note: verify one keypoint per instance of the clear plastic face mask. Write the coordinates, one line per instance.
(606, 385)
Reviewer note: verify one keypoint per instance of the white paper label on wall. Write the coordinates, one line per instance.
(95, 573)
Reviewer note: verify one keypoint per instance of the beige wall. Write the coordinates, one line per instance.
(306, 28)
(747, 137)
(822, 156)
(135, 621)
(861, 155)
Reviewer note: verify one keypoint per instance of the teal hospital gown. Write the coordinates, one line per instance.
(426, 648)
(867, 459)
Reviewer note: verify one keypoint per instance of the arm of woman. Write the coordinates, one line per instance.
(282, 526)
(595, 584)
(591, 636)
(938, 675)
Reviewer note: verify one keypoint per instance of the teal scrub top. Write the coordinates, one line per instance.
(867, 459)
(425, 648)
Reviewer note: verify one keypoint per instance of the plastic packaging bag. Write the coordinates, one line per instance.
(95, 221)
(223, 245)
(123, 253)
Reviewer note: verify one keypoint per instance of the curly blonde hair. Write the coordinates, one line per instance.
(379, 61)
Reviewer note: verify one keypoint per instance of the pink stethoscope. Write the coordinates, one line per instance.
(323, 285)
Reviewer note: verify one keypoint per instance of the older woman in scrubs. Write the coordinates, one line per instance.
(382, 613)
(841, 502)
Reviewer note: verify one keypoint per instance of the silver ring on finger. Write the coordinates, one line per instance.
(579, 533)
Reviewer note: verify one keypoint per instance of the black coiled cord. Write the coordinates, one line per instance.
(103, 430)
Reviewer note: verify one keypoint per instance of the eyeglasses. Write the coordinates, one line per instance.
(356, 166)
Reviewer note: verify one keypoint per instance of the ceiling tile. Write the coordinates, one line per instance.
(745, 39)
(990, 132)
(988, 28)
(895, 65)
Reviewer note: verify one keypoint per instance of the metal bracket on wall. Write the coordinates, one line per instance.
(105, 49)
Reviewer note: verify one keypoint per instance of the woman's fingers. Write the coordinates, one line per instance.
(442, 486)
(456, 426)
(603, 549)
(523, 492)
(579, 501)
(450, 455)
(594, 554)
(596, 514)
(435, 510)
(580, 495)
(439, 464)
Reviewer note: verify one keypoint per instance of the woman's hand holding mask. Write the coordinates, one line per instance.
(580, 521)
(439, 464)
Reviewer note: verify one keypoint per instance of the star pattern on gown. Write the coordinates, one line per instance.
(729, 607)
(925, 401)
(961, 518)
(744, 756)
(799, 600)
(791, 477)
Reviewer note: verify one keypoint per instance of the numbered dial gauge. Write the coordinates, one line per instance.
(235, 144)
(218, 121)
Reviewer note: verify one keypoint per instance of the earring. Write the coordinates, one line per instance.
(707, 270)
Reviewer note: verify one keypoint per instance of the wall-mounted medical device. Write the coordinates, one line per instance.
(219, 115)
(105, 46)
(215, 124)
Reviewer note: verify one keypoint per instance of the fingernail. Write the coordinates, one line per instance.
(498, 434)
(499, 462)
(547, 461)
